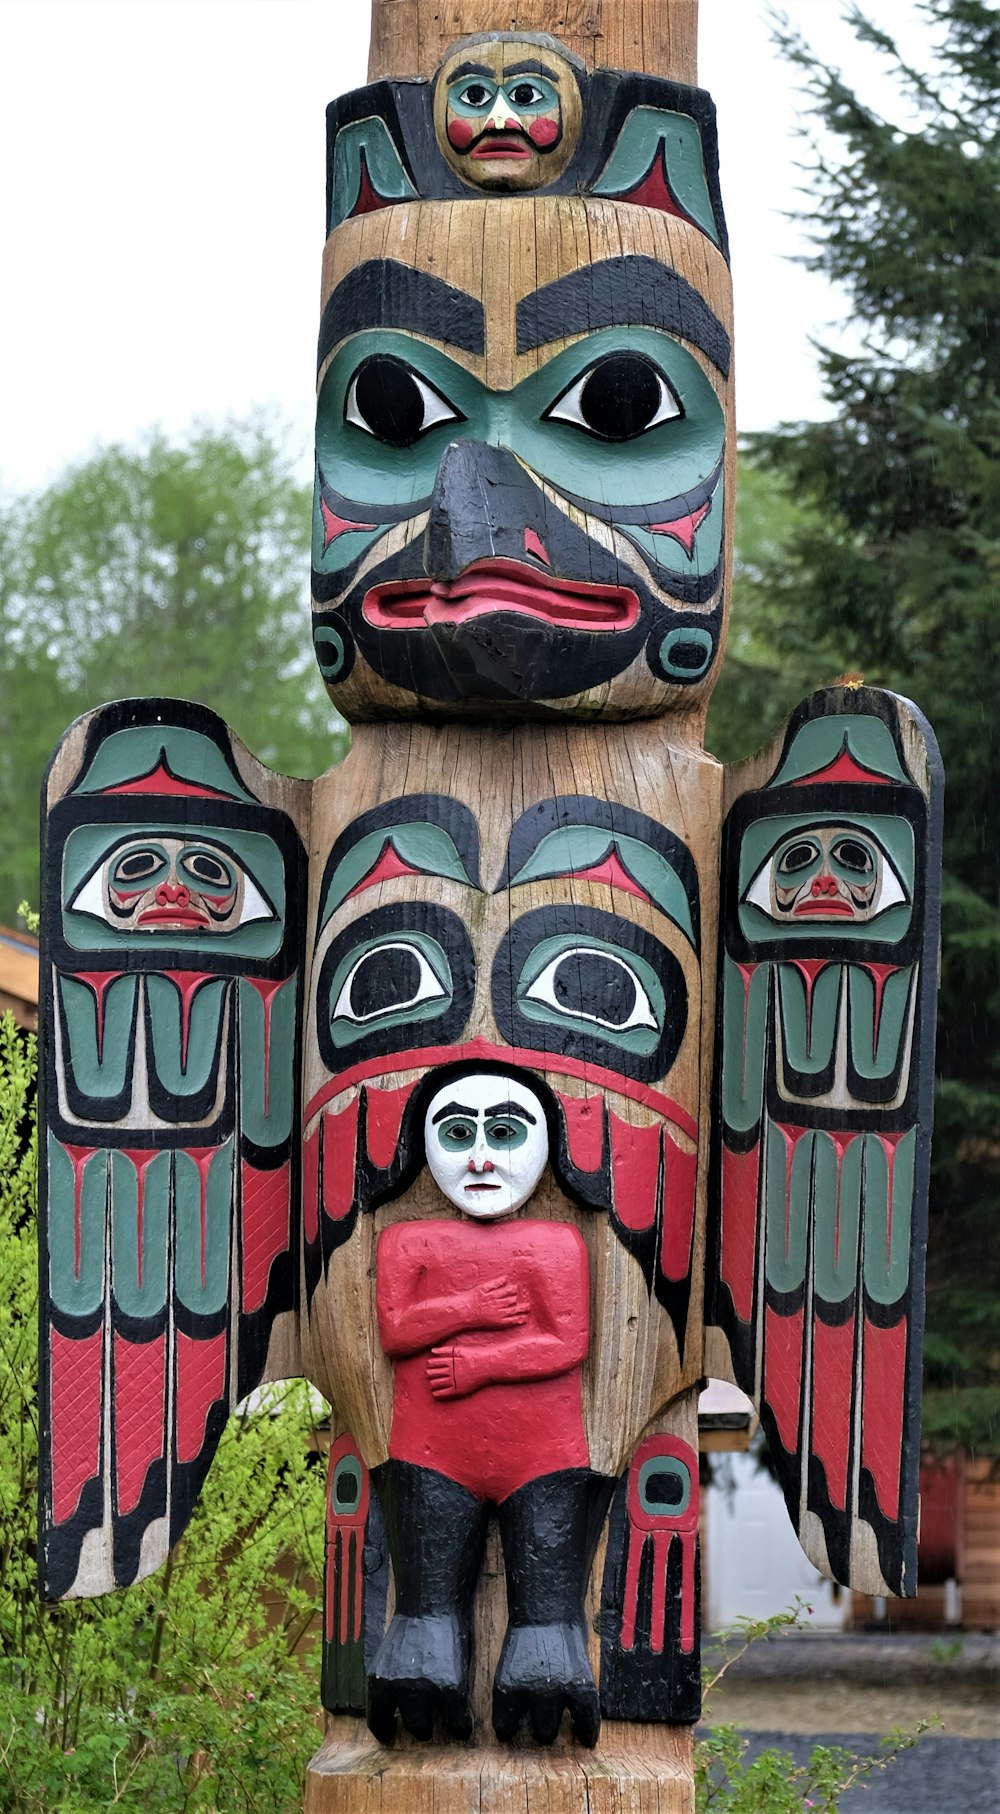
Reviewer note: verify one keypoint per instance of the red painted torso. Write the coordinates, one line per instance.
(513, 1411)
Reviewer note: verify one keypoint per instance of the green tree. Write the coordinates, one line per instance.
(171, 567)
(895, 570)
(196, 1689)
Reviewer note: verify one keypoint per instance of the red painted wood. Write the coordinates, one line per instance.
(635, 1172)
(833, 1403)
(75, 1398)
(201, 1383)
(140, 1413)
(882, 1399)
(783, 1373)
(487, 1325)
(738, 1260)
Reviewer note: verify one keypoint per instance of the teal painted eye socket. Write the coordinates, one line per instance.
(854, 859)
(592, 984)
(391, 978)
(523, 95)
(799, 859)
(140, 868)
(473, 97)
(388, 399)
(346, 1491)
(503, 1133)
(377, 441)
(457, 1134)
(620, 397)
(664, 1487)
(205, 870)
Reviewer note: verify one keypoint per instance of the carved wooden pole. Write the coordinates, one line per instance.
(527, 1066)
(652, 37)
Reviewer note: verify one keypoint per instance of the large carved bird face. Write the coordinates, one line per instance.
(522, 450)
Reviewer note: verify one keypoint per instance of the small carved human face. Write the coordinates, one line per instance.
(487, 1143)
(507, 113)
(175, 885)
(827, 873)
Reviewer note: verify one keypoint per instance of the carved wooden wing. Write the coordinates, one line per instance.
(824, 1079)
(173, 897)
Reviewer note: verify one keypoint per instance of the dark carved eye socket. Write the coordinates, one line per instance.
(797, 858)
(387, 979)
(389, 400)
(525, 94)
(476, 95)
(593, 985)
(138, 865)
(854, 856)
(619, 398)
(208, 869)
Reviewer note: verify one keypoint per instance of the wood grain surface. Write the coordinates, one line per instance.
(656, 37)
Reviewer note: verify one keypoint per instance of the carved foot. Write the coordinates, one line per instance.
(421, 1668)
(543, 1672)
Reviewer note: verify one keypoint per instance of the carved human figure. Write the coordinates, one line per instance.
(487, 1323)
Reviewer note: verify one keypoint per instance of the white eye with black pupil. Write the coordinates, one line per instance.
(390, 401)
(387, 979)
(619, 398)
(594, 985)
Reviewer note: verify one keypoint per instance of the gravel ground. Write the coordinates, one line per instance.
(940, 1776)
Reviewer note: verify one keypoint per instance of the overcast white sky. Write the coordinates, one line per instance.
(163, 196)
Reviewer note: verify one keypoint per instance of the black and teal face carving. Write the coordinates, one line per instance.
(534, 543)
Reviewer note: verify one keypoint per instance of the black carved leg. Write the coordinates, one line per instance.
(549, 1530)
(436, 1532)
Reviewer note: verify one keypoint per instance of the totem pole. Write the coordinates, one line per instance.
(528, 1066)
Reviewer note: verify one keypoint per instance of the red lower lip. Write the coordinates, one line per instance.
(482, 1187)
(171, 916)
(509, 148)
(826, 907)
(493, 586)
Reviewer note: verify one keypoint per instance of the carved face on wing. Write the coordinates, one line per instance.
(521, 462)
(174, 885)
(833, 873)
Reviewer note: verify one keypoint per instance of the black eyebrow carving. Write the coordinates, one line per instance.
(471, 69)
(383, 293)
(530, 69)
(513, 1110)
(453, 1108)
(622, 292)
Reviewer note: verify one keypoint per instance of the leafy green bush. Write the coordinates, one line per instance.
(728, 1780)
(197, 1689)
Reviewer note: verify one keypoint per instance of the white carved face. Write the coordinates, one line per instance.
(487, 1143)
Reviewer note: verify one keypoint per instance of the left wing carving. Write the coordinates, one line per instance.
(174, 896)
(824, 1080)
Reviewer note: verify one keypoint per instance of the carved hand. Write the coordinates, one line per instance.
(441, 1372)
(500, 1305)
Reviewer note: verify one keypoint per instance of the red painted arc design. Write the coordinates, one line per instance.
(385, 869)
(161, 781)
(843, 768)
(422, 1058)
(683, 529)
(653, 191)
(334, 525)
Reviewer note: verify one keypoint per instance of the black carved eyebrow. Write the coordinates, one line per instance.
(530, 69)
(622, 292)
(385, 294)
(471, 69)
(513, 1110)
(453, 1108)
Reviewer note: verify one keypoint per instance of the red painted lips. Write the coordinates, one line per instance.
(492, 586)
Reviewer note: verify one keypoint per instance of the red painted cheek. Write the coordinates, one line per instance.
(543, 133)
(460, 134)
